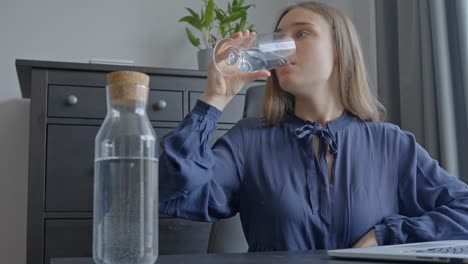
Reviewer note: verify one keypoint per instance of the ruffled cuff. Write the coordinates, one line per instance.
(383, 235)
(204, 109)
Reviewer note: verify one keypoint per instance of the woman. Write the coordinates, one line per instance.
(318, 171)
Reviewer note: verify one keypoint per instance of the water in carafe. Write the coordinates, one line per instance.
(125, 219)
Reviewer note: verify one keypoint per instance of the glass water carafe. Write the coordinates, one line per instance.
(125, 223)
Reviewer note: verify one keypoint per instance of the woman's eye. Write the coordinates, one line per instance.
(301, 34)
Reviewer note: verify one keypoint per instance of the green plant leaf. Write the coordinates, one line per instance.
(237, 28)
(209, 13)
(241, 2)
(187, 19)
(245, 8)
(234, 8)
(234, 16)
(194, 40)
(190, 20)
(222, 32)
(243, 21)
(251, 28)
(195, 21)
(193, 13)
(220, 15)
(214, 22)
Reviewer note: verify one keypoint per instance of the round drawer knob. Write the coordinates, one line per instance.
(160, 105)
(72, 100)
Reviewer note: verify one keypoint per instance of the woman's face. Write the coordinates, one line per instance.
(313, 62)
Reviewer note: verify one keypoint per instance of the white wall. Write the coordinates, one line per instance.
(145, 31)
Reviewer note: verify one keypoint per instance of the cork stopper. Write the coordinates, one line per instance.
(127, 86)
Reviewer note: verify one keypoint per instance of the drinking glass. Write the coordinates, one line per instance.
(253, 52)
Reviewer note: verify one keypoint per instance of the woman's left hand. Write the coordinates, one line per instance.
(368, 240)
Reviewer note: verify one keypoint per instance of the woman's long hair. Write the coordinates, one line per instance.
(354, 92)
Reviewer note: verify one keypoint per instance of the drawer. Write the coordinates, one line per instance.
(180, 236)
(74, 237)
(70, 162)
(177, 83)
(90, 102)
(68, 238)
(233, 111)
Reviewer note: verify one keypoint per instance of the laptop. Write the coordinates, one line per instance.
(447, 251)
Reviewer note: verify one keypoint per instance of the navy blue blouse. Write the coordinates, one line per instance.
(381, 178)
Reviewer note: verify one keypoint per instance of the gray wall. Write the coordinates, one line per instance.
(146, 32)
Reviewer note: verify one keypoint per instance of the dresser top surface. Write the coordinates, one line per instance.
(24, 70)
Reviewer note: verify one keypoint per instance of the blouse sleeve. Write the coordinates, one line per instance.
(197, 182)
(433, 205)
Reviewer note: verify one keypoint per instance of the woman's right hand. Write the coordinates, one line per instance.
(221, 89)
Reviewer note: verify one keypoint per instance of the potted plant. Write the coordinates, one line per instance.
(212, 24)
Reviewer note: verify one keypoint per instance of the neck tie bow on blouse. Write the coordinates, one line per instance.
(321, 133)
(319, 192)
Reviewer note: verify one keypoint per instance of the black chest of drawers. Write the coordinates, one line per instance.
(68, 105)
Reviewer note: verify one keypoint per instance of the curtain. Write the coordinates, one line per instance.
(422, 74)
